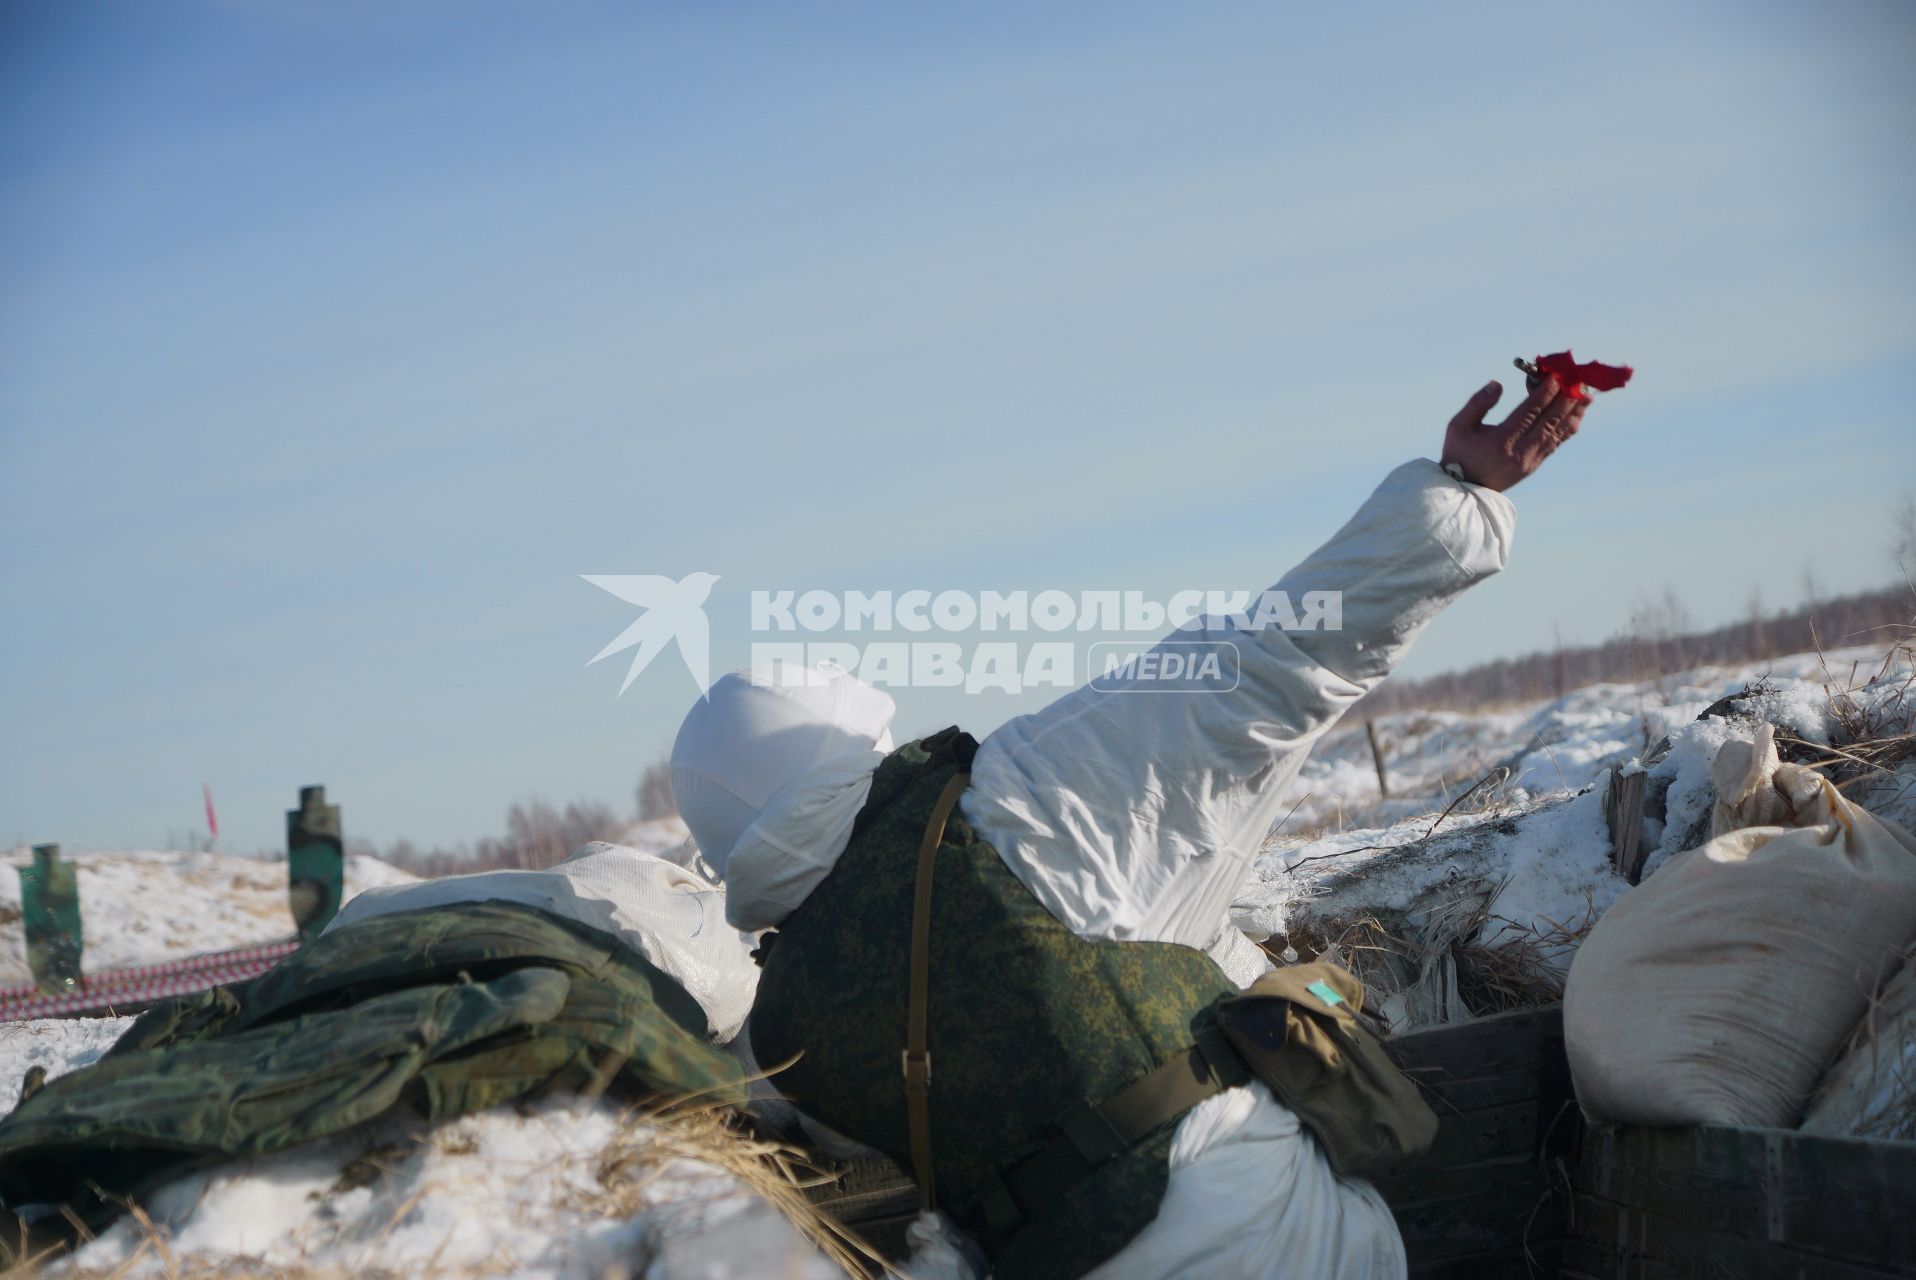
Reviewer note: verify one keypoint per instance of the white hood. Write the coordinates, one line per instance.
(769, 771)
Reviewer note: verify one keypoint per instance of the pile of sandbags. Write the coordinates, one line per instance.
(1721, 989)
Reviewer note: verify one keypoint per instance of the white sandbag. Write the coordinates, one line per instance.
(1871, 1091)
(1719, 990)
(1242, 960)
(663, 911)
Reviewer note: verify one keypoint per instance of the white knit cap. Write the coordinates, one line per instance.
(755, 732)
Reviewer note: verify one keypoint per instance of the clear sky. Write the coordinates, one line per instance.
(337, 340)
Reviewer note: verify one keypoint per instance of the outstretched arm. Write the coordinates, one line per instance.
(1136, 817)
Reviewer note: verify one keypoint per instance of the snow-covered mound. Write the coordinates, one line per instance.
(1522, 862)
(1559, 745)
(148, 906)
(561, 1190)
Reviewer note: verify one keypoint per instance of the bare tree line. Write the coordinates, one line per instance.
(1659, 640)
(537, 835)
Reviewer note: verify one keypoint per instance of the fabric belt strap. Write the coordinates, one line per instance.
(1094, 1134)
(916, 1059)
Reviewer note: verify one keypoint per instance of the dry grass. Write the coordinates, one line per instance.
(1395, 958)
(1873, 714)
(1488, 796)
(1453, 959)
(776, 1172)
(1517, 966)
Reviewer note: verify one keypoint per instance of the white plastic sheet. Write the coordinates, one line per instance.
(663, 911)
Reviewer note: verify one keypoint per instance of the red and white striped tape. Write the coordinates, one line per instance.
(193, 964)
(144, 984)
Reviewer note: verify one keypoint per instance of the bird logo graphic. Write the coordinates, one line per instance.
(673, 611)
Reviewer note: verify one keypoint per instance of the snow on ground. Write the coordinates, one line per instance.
(498, 1193)
(559, 1190)
(541, 1192)
(1530, 849)
(148, 906)
(1554, 746)
(58, 1044)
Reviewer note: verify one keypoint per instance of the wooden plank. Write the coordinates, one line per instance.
(1623, 810)
(1612, 1241)
(1503, 1264)
(1483, 1046)
(1457, 1096)
(1465, 1138)
(1489, 1062)
(1482, 1202)
(1488, 1208)
(1849, 1199)
(1421, 1183)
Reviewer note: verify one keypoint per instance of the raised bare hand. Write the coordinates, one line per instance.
(1499, 455)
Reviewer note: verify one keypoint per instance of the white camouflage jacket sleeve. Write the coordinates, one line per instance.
(1136, 818)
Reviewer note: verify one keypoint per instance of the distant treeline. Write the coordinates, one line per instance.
(537, 836)
(1657, 642)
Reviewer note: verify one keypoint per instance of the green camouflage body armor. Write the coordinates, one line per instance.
(441, 1012)
(1028, 1021)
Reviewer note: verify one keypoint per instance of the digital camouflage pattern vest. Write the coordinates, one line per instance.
(1028, 1021)
(442, 1011)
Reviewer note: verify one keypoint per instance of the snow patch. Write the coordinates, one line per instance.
(148, 906)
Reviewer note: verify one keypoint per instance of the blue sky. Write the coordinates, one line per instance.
(337, 340)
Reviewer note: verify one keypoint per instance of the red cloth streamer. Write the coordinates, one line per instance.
(212, 819)
(1575, 377)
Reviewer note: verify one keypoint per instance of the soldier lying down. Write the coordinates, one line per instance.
(1084, 839)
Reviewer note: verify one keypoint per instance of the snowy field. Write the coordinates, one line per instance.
(1495, 834)
(144, 907)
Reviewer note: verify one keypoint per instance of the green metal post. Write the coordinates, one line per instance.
(50, 903)
(315, 861)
